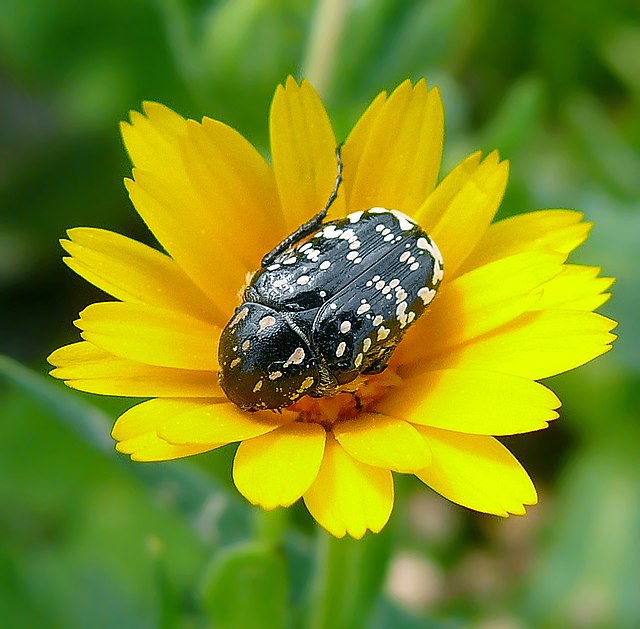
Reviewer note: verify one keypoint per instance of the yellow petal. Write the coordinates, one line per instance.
(85, 367)
(349, 497)
(231, 178)
(181, 226)
(480, 301)
(151, 335)
(148, 416)
(536, 345)
(392, 157)
(274, 470)
(133, 272)
(384, 442)
(576, 288)
(460, 209)
(189, 214)
(543, 230)
(477, 402)
(149, 447)
(476, 472)
(303, 149)
(220, 423)
(153, 141)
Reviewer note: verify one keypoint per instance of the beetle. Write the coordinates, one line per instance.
(327, 307)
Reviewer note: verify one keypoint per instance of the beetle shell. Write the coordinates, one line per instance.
(346, 296)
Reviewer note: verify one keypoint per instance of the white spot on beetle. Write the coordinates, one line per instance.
(342, 346)
(358, 361)
(401, 309)
(345, 326)
(426, 294)
(382, 333)
(291, 260)
(366, 345)
(405, 256)
(303, 279)
(266, 322)
(415, 266)
(325, 265)
(352, 255)
(296, 358)
(379, 284)
(394, 282)
(379, 227)
(240, 316)
(246, 345)
(274, 375)
(355, 217)
(403, 220)
(306, 246)
(423, 243)
(273, 267)
(388, 238)
(280, 283)
(330, 231)
(235, 362)
(378, 320)
(363, 308)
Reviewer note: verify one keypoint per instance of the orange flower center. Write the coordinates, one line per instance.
(363, 393)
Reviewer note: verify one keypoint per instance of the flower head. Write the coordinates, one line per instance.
(510, 310)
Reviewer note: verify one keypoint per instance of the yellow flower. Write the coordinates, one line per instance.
(509, 312)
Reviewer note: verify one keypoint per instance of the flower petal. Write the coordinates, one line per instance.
(149, 447)
(536, 345)
(385, 442)
(543, 230)
(476, 402)
(274, 470)
(148, 416)
(153, 141)
(392, 157)
(151, 335)
(576, 288)
(229, 174)
(349, 497)
(480, 301)
(476, 472)
(176, 205)
(180, 224)
(458, 212)
(303, 149)
(85, 367)
(133, 272)
(220, 423)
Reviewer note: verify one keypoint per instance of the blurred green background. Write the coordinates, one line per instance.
(88, 539)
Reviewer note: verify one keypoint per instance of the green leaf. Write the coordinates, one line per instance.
(245, 586)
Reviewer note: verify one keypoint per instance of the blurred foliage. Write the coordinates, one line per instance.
(89, 539)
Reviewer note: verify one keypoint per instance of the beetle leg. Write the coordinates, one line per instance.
(312, 224)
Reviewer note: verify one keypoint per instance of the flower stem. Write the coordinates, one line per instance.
(349, 576)
(271, 526)
(322, 43)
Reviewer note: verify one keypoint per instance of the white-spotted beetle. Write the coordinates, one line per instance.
(319, 313)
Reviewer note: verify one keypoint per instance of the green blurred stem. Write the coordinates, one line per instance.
(323, 42)
(349, 576)
(271, 526)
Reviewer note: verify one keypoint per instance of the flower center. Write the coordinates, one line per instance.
(361, 397)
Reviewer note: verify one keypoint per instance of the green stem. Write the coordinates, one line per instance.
(271, 526)
(349, 576)
(323, 41)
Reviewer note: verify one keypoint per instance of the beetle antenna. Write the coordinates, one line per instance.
(313, 223)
